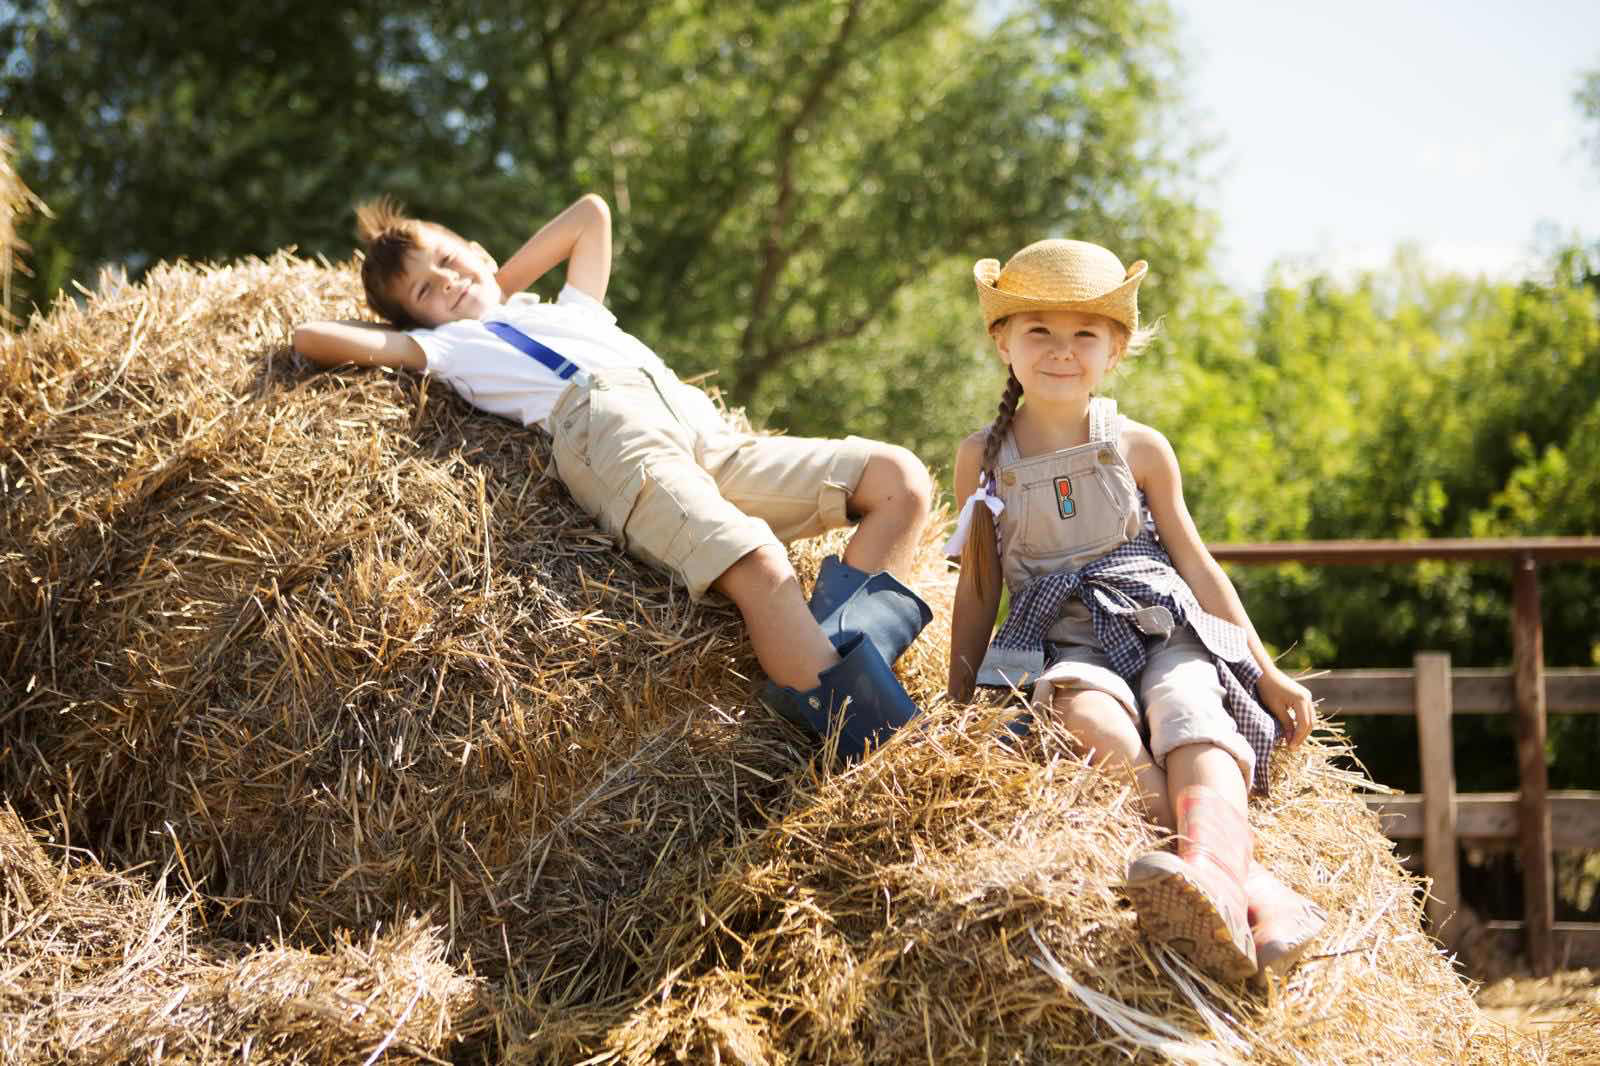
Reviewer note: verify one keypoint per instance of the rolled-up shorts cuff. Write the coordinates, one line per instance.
(1068, 675)
(1183, 702)
(1224, 734)
(718, 550)
(841, 481)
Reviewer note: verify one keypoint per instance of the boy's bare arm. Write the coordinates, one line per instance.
(581, 236)
(362, 343)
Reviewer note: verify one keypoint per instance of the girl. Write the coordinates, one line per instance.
(1080, 511)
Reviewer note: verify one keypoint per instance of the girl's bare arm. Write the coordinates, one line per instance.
(973, 614)
(1155, 468)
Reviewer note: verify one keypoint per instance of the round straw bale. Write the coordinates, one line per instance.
(953, 900)
(347, 644)
(100, 968)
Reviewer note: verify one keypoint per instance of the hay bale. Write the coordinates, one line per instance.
(344, 651)
(99, 968)
(1577, 1042)
(17, 201)
(953, 901)
(348, 642)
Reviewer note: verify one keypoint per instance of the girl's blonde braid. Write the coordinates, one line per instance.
(981, 556)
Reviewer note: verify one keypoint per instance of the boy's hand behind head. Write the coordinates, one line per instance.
(423, 274)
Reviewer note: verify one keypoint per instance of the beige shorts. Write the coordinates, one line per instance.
(1179, 689)
(656, 464)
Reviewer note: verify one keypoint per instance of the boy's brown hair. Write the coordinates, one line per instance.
(389, 236)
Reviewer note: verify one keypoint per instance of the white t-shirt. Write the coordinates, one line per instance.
(491, 374)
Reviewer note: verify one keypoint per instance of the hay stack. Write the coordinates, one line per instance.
(342, 651)
(348, 640)
(98, 968)
(953, 902)
(17, 201)
(1579, 1040)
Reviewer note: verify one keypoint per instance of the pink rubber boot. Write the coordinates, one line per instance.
(1194, 901)
(1282, 921)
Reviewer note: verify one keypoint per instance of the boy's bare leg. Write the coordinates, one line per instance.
(891, 503)
(790, 645)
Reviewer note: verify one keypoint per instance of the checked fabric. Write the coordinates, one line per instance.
(1122, 590)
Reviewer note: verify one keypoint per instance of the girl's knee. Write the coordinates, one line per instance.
(1097, 721)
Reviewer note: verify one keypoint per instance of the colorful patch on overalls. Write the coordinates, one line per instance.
(1064, 497)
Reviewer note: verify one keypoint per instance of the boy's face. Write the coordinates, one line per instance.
(447, 279)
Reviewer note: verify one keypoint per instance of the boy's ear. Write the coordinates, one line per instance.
(481, 250)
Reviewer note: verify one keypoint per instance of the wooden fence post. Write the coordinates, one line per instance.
(1527, 658)
(1434, 703)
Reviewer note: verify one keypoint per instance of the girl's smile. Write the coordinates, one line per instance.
(1051, 352)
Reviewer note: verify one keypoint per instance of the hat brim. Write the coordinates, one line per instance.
(1120, 304)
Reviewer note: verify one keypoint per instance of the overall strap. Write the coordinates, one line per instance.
(544, 355)
(1104, 424)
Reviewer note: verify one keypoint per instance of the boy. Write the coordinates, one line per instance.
(653, 461)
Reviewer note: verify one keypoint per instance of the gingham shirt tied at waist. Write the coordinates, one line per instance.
(1135, 595)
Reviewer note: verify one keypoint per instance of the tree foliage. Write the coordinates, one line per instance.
(1400, 405)
(787, 178)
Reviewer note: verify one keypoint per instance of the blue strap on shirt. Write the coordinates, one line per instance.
(561, 367)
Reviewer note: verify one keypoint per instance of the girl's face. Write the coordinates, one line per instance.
(1059, 355)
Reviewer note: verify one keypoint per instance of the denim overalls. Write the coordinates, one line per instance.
(1062, 511)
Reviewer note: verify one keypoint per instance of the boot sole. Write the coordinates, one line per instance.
(1174, 911)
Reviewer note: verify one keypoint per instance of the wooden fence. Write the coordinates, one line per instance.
(1537, 819)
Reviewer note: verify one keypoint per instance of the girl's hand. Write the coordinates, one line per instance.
(1289, 701)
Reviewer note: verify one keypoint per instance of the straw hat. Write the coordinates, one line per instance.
(1060, 275)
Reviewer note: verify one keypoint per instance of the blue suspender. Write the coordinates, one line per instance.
(547, 357)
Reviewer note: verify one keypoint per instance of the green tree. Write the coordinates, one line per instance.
(1400, 404)
(157, 131)
(794, 183)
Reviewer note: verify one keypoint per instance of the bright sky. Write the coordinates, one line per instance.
(1351, 127)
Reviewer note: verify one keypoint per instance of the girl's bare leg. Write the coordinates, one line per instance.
(1107, 736)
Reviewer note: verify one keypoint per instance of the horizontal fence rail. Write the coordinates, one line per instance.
(1473, 691)
(1574, 817)
(1370, 552)
(1536, 819)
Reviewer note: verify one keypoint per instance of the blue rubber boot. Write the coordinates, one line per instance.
(847, 601)
(836, 581)
(862, 687)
